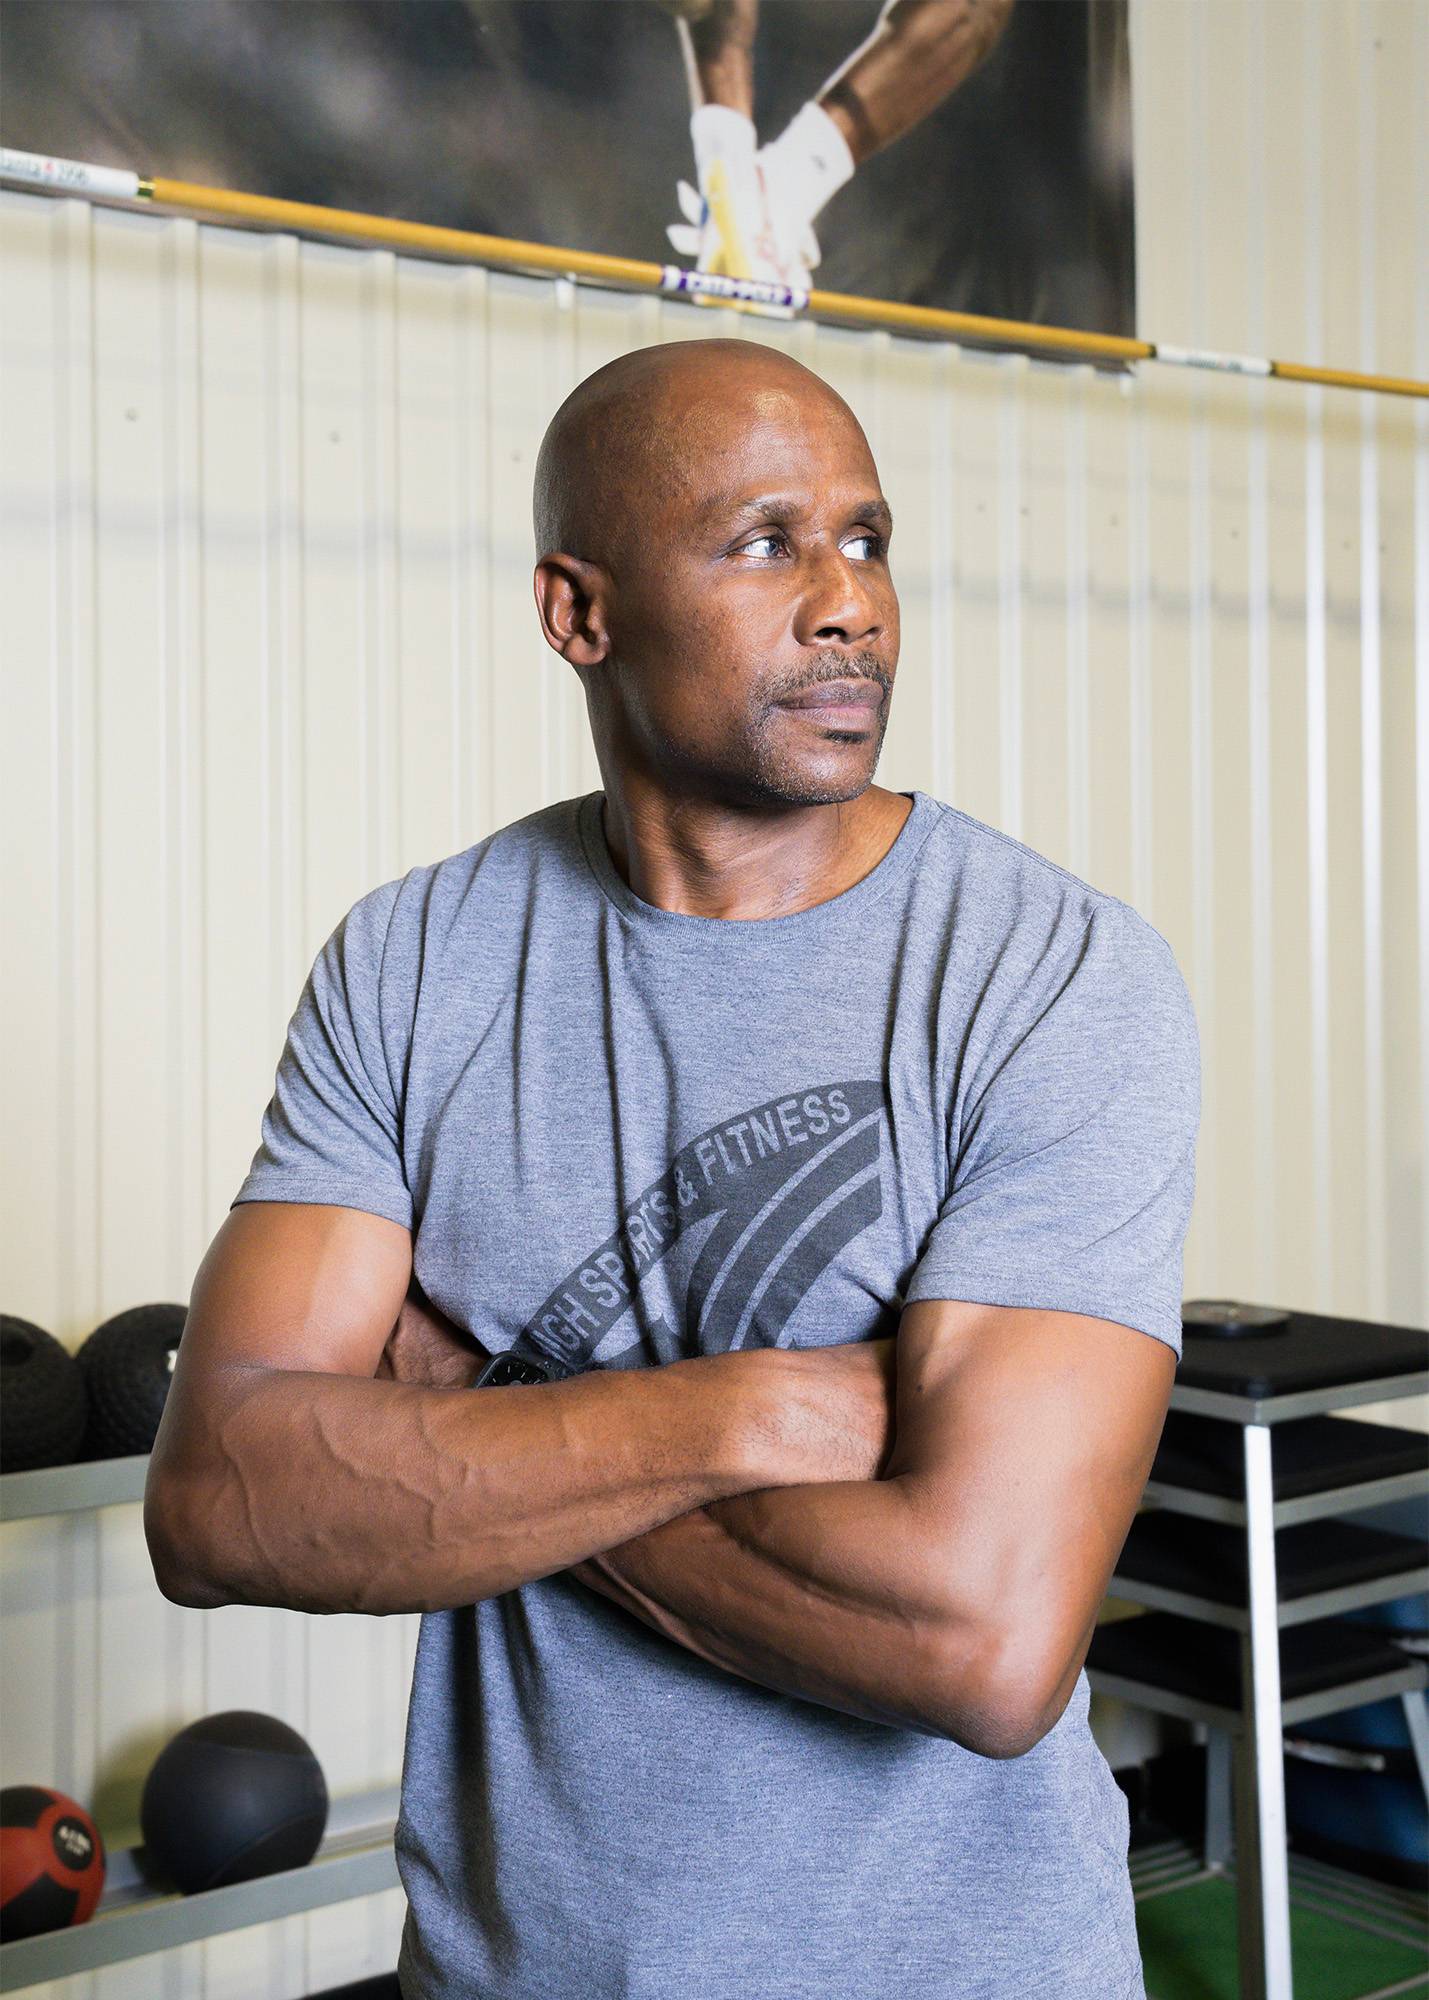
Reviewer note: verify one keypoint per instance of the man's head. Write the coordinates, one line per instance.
(711, 541)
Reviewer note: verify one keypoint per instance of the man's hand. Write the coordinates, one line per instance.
(427, 1348)
(839, 1398)
(843, 1395)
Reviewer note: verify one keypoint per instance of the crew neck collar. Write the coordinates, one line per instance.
(737, 933)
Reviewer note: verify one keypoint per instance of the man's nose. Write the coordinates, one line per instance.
(838, 602)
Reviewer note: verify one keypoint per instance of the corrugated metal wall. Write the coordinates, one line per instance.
(269, 641)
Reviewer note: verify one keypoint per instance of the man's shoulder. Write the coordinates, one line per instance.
(1041, 957)
(489, 868)
(1003, 885)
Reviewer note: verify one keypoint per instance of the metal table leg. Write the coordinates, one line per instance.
(1217, 1845)
(1416, 1717)
(1263, 1873)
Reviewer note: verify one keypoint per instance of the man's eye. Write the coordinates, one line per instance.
(776, 540)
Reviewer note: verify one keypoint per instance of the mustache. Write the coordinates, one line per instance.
(831, 666)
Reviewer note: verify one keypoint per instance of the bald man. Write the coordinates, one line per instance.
(800, 1170)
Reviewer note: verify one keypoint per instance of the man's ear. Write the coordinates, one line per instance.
(570, 604)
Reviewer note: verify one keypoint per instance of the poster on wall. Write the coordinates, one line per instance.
(973, 155)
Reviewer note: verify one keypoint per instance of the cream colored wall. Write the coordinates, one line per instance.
(269, 641)
(1282, 185)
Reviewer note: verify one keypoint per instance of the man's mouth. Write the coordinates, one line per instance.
(841, 697)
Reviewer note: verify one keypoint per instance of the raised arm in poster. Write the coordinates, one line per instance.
(753, 213)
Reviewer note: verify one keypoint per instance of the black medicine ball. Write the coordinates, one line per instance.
(42, 1400)
(231, 1797)
(128, 1363)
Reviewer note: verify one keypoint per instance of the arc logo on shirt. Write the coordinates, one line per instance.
(789, 1184)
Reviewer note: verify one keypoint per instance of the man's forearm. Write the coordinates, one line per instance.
(816, 1591)
(717, 44)
(323, 1492)
(919, 51)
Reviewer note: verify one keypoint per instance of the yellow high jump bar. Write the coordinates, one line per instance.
(117, 183)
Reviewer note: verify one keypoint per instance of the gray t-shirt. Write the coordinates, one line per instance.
(623, 1135)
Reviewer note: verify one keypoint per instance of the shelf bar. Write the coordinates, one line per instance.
(1157, 1597)
(1412, 1676)
(1332, 1701)
(1291, 1610)
(1335, 1500)
(355, 1865)
(71, 1489)
(1302, 1403)
(1164, 1701)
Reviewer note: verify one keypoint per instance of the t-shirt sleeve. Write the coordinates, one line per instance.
(1075, 1173)
(332, 1129)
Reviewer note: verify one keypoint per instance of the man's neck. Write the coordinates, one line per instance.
(698, 861)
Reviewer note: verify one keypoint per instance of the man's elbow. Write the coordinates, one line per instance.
(1002, 1734)
(998, 1697)
(180, 1569)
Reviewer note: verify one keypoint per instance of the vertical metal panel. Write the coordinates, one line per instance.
(1078, 502)
(1203, 842)
(972, 778)
(1371, 707)
(1012, 369)
(1105, 796)
(1417, 1216)
(1413, 1279)
(922, 538)
(1138, 508)
(944, 577)
(1035, 529)
(1263, 1207)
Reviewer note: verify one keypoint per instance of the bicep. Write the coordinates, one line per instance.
(285, 1285)
(1025, 1439)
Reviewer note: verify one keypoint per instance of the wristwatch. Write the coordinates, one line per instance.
(503, 1369)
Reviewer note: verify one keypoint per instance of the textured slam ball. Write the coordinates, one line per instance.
(231, 1797)
(42, 1399)
(128, 1364)
(51, 1862)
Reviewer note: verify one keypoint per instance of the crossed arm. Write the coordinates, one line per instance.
(957, 1592)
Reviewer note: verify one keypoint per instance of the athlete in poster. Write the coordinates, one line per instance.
(752, 215)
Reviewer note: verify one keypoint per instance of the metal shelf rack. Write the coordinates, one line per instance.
(1256, 1385)
(134, 1917)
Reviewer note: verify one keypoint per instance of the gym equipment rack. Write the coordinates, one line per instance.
(1213, 1574)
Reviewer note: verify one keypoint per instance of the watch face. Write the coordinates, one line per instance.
(505, 1369)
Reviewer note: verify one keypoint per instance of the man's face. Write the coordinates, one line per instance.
(754, 579)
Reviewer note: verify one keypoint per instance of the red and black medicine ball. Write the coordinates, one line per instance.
(51, 1862)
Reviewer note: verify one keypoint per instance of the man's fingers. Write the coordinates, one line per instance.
(426, 1347)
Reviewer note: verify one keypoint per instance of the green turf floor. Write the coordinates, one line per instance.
(1350, 1938)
